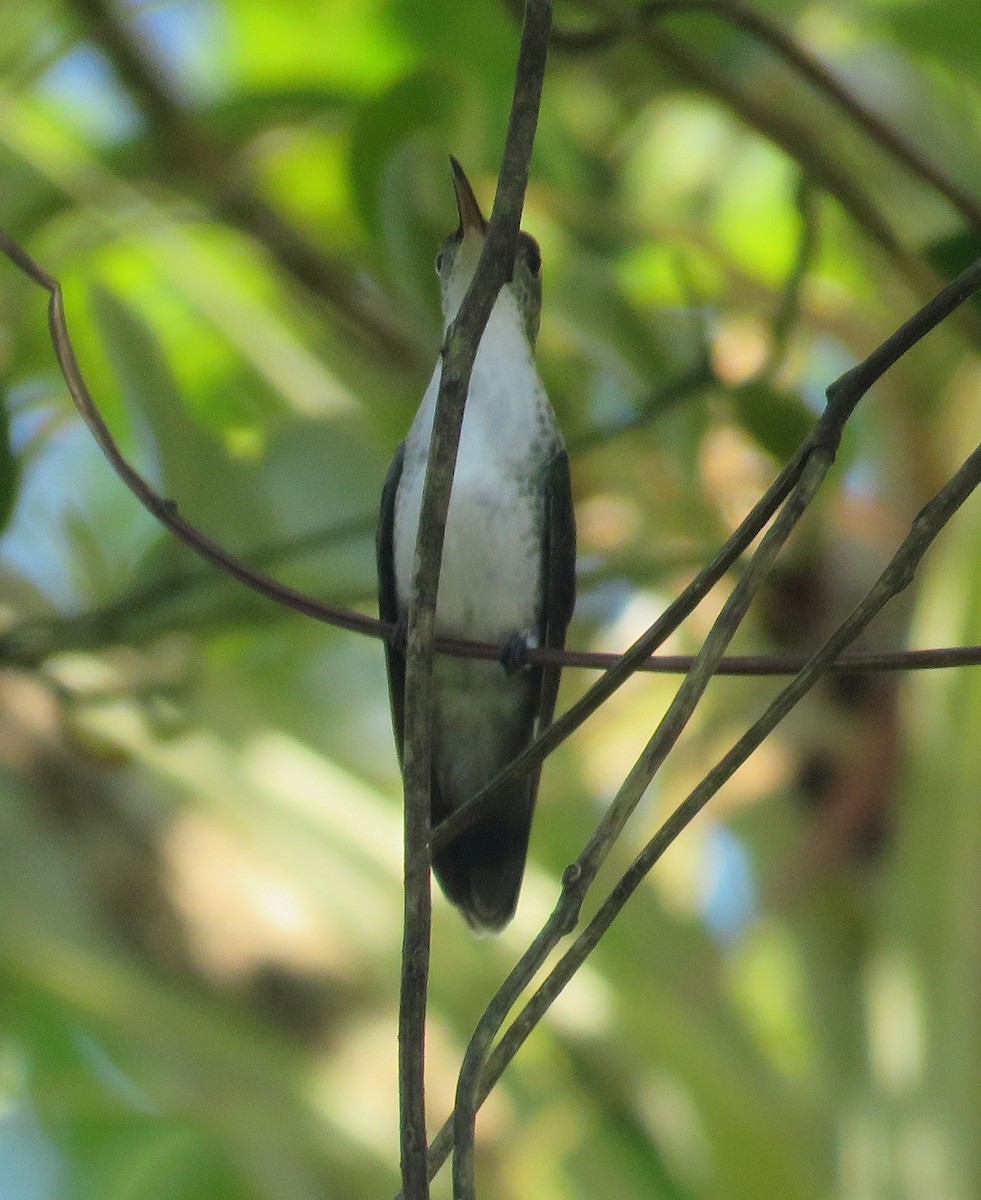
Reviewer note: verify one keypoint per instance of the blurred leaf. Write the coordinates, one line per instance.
(199, 795)
(605, 324)
(777, 420)
(946, 31)
(955, 253)
(187, 465)
(417, 104)
(273, 46)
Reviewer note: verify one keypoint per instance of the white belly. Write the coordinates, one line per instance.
(490, 576)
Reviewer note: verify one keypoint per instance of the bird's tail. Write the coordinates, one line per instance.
(481, 870)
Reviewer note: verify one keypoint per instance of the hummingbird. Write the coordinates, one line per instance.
(507, 574)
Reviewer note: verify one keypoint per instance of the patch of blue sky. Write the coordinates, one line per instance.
(862, 480)
(828, 358)
(93, 533)
(185, 36)
(729, 898)
(84, 88)
(30, 410)
(30, 1167)
(180, 37)
(607, 600)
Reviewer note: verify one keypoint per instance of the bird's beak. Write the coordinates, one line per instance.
(471, 218)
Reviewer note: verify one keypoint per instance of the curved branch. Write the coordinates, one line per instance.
(28, 644)
(165, 511)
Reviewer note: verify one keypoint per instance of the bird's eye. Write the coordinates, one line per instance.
(533, 257)
(439, 263)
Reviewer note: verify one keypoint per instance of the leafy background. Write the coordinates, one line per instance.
(199, 910)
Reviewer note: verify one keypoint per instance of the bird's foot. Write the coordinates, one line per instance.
(514, 653)
(399, 637)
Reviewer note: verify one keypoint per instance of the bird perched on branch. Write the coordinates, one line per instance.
(507, 576)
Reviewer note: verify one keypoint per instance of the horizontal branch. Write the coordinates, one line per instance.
(20, 646)
(27, 646)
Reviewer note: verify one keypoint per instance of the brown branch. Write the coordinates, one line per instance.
(30, 643)
(578, 877)
(843, 395)
(893, 580)
(26, 645)
(800, 479)
(165, 511)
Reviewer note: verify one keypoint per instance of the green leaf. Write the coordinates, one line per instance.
(948, 31)
(955, 253)
(777, 420)
(187, 464)
(423, 100)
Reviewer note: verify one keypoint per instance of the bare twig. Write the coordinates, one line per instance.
(843, 395)
(164, 510)
(894, 579)
(476, 1078)
(624, 666)
(459, 350)
(578, 878)
(30, 643)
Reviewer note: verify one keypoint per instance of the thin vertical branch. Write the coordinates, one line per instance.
(459, 350)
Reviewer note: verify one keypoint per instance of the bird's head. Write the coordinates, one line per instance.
(459, 254)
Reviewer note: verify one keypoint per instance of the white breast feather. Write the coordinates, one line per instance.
(491, 562)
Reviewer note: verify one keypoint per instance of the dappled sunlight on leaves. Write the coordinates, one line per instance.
(200, 810)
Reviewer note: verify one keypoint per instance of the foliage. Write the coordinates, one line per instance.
(199, 918)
